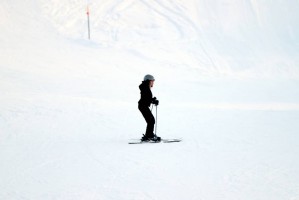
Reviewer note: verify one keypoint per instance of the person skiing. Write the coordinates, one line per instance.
(144, 103)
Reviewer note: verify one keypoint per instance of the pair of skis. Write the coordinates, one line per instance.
(138, 141)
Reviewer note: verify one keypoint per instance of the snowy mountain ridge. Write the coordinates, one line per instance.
(236, 39)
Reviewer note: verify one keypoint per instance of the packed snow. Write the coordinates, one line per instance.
(227, 78)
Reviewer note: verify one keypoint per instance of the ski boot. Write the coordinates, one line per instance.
(144, 138)
(155, 139)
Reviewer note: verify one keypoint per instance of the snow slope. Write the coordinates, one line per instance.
(226, 76)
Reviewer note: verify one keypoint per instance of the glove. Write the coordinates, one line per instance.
(155, 101)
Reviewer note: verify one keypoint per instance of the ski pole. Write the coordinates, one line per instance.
(156, 120)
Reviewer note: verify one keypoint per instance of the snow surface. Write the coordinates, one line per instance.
(227, 77)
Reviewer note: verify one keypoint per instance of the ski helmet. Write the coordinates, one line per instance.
(149, 77)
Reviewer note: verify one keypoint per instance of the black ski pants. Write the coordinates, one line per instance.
(149, 118)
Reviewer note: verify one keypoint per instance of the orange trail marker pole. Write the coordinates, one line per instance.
(88, 24)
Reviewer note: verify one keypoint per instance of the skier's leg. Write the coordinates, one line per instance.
(150, 125)
(150, 120)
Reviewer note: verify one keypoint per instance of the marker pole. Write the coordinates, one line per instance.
(88, 24)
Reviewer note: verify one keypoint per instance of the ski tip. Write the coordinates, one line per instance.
(171, 140)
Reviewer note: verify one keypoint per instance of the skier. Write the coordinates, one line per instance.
(144, 103)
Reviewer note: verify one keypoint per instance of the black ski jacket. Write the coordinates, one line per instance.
(146, 94)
